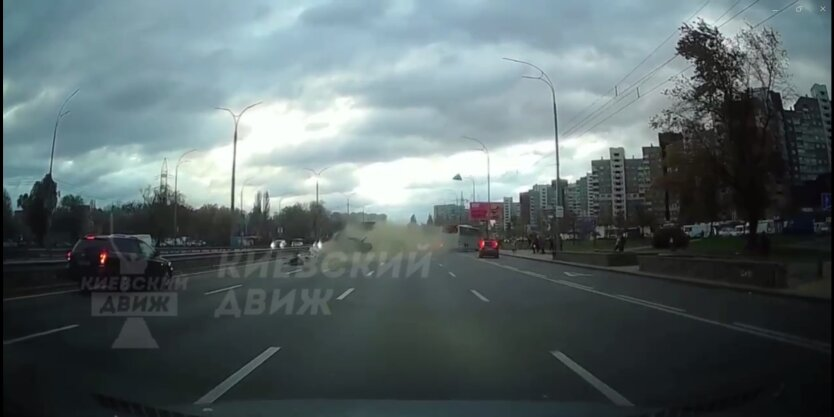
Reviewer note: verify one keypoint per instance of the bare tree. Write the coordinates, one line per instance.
(730, 120)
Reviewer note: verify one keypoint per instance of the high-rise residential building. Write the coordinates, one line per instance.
(651, 175)
(669, 142)
(524, 208)
(511, 210)
(573, 199)
(612, 185)
(819, 92)
(541, 203)
(617, 187)
(593, 195)
(807, 138)
(446, 214)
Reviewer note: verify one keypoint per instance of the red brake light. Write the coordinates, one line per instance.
(494, 244)
(89, 237)
(481, 244)
(102, 258)
(69, 255)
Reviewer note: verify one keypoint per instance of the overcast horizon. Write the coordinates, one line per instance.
(379, 92)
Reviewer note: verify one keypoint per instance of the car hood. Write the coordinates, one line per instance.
(755, 402)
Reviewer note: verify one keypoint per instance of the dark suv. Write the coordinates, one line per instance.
(101, 260)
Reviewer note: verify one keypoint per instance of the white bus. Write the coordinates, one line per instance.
(463, 237)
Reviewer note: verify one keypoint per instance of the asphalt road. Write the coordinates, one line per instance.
(506, 334)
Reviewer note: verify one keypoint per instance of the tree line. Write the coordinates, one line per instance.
(43, 219)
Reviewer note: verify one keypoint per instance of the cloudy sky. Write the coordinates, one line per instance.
(378, 92)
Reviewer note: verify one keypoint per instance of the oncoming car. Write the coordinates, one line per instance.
(297, 242)
(103, 260)
(278, 244)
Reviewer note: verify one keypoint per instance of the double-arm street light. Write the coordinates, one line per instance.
(236, 118)
(543, 77)
(61, 114)
(176, 193)
(317, 174)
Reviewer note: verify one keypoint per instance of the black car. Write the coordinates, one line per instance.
(105, 262)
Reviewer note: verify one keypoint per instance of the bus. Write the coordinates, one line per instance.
(464, 237)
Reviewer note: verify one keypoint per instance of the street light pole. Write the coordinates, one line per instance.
(61, 114)
(489, 195)
(236, 118)
(243, 209)
(348, 196)
(317, 174)
(176, 194)
(543, 77)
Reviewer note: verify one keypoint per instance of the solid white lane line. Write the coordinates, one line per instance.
(639, 300)
(452, 274)
(602, 387)
(575, 285)
(532, 274)
(576, 274)
(44, 333)
(682, 313)
(369, 274)
(477, 294)
(294, 271)
(46, 294)
(784, 335)
(236, 377)
(222, 289)
(344, 294)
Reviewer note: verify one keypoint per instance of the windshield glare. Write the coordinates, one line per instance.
(417, 208)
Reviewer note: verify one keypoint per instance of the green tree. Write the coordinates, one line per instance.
(9, 224)
(430, 221)
(727, 116)
(296, 222)
(38, 206)
(71, 218)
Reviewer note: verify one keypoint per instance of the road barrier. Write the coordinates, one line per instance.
(21, 275)
(30, 254)
(757, 273)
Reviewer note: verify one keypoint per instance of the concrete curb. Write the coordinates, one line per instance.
(698, 282)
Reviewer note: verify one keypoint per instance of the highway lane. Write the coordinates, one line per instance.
(391, 337)
(677, 358)
(806, 318)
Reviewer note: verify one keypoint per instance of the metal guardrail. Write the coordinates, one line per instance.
(29, 263)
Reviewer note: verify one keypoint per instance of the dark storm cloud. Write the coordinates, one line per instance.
(151, 72)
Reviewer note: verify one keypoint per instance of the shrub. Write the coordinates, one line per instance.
(660, 239)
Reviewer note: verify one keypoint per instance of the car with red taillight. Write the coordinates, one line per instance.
(95, 257)
(488, 248)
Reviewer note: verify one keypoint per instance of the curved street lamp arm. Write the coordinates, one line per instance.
(248, 107)
(61, 109)
(542, 75)
(483, 147)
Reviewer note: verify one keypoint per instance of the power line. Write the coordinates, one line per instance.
(615, 100)
(727, 11)
(674, 32)
(739, 12)
(651, 90)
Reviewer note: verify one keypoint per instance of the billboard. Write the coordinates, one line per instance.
(479, 211)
